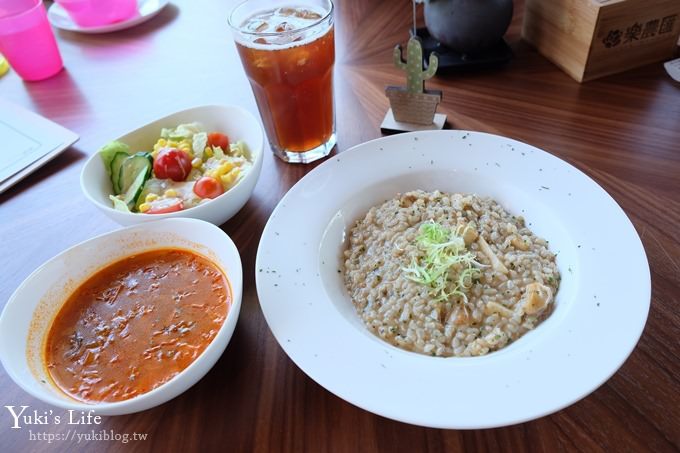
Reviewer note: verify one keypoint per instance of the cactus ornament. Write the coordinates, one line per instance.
(413, 107)
(415, 75)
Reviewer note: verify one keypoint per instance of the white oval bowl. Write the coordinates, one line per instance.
(234, 121)
(28, 314)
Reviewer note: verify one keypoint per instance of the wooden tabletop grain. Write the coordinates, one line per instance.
(623, 131)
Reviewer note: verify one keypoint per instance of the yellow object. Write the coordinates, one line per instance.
(183, 145)
(224, 168)
(186, 145)
(144, 207)
(158, 146)
(4, 66)
(218, 172)
(170, 193)
(196, 163)
(151, 197)
(229, 179)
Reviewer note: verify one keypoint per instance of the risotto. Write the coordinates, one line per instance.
(448, 274)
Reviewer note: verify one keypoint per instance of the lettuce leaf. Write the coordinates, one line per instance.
(181, 132)
(118, 204)
(218, 154)
(240, 149)
(199, 143)
(109, 150)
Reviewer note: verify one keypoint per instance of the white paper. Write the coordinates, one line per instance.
(27, 141)
(673, 69)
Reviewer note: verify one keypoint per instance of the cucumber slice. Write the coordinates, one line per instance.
(140, 162)
(116, 165)
(135, 190)
(108, 151)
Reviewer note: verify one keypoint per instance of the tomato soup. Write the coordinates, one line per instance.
(136, 324)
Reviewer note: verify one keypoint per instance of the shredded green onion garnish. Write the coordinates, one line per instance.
(445, 266)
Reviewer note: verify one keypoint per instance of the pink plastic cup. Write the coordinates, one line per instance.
(92, 13)
(27, 41)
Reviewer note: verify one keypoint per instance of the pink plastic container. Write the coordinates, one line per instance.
(92, 13)
(27, 41)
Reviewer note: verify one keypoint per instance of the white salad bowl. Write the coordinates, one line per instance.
(26, 318)
(234, 121)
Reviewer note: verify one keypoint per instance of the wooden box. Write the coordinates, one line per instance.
(594, 38)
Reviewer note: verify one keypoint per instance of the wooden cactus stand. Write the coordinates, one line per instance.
(413, 107)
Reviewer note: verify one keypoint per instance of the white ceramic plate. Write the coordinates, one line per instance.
(600, 309)
(146, 10)
(27, 316)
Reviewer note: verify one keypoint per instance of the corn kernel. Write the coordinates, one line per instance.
(228, 179)
(224, 168)
(150, 197)
(196, 163)
(208, 152)
(170, 193)
(144, 207)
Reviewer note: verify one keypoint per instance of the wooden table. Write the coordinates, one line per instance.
(623, 131)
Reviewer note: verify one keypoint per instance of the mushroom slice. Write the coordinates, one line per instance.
(519, 243)
(536, 298)
(495, 262)
(459, 317)
(407, 200)
(495, 307)
(469, 233)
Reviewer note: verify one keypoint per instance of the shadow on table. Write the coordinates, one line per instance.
(56, 165)
(59, 96)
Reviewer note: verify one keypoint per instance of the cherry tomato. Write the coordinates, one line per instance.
(172, 163)
(217, 139)
(208, 187)
(165, 206)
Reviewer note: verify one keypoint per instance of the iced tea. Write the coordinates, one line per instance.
(288, 55)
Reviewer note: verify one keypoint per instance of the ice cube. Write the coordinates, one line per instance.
(283, 27)
(307, 14)
(261, 62)
(285, 12)
(301, 58)
(282, 40)
(257, 25)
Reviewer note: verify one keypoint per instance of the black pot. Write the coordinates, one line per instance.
(468, 26)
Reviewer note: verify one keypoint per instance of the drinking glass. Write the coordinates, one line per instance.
(27, 41)
(288, 53)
